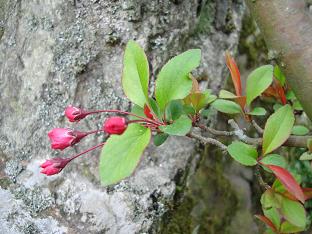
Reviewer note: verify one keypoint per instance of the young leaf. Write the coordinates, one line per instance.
(226, 106)
(277, 129)
(294, 212)
(173, 80)
(135, 75)
(299, 130)
(160, 138)
(306, 156)
(122, 153)
(179, 128)
(267, 221)
(199, 100)
(235, 74)
(288, 181)
(258, 111)
(226, 94)
(273, 215)
(258, 81)
(243, 153)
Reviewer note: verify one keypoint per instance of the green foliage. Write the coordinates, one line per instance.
(274, 159)
(174, 110)
(299, 130)
(226, 106)
(178, 128)
(278, 74)
(257, 111)
(122, 153)
(135, 75)
(306, 156)
(137, 110)
(277, 129)
(243, 153)
(173, 80)
(160, 138)
(258, 81)
(226, 94)
(293, 212)
(155, 108)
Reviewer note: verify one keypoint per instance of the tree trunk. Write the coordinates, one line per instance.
(60, 52)
(286, 26)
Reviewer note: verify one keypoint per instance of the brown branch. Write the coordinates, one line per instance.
(287, 30)
(208, 140)
(214, 131)
(257, 127)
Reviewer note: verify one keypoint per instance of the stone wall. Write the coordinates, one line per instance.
(58, 52)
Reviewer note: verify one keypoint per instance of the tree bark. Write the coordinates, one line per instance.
(287, 29)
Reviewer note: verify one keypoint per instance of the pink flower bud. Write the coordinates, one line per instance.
(62, 138)
(115, 125)
(74, 114)
(54, 166)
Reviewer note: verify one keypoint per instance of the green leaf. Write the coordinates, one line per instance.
(226, 106)
(160, 138)
(297, 105)
(189, 110)
(273, 159)
(226, 94)
(155, 108)
(174, 110)
(273, 215)
(173, 80)
(179, 128)
(121, 153)
(287, 227)
(243, 153)
(277, 129)
(293, 212)
(258, 111)
(138, 111)
(278, 74)
(135, 75)
(258, 81)
(276, 106)
(306, 156)
(290, 95)
(299, 130)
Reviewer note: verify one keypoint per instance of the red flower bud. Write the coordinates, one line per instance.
(54, 166)
(62, 138)
(74, 114)
(115, 125)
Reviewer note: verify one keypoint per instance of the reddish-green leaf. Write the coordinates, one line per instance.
(230, 63)
(267, 221)
(277, 129)
(288, 181)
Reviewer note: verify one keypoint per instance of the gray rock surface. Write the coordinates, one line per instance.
(58, 52)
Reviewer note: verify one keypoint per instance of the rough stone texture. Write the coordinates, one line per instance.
(56, 52)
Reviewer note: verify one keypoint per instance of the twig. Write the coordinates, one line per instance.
(214, 131)
(242, 136)
(260, 179)
(208, 140)
(257, 127)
